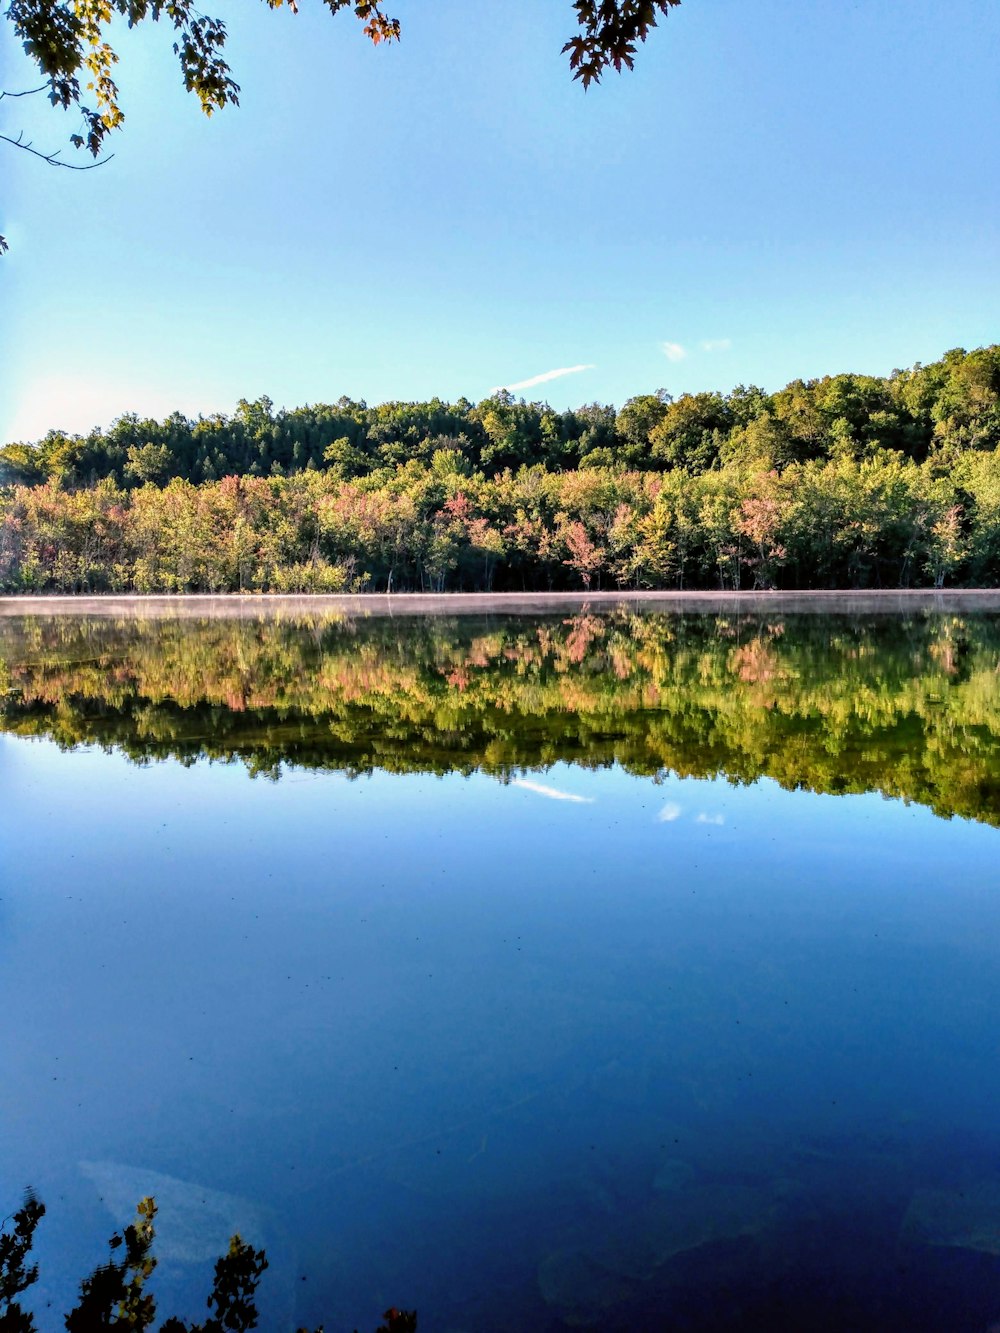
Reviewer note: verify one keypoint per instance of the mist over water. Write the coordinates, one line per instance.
(616, 970)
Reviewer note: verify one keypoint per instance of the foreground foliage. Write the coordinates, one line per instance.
(70, 40)
(845, 482)
(115, 1295)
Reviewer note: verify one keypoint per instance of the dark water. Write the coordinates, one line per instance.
(619, 971)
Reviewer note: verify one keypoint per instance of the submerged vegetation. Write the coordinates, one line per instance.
(905, 705)
(848, 481)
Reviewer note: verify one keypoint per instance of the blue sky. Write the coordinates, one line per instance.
(779, 189)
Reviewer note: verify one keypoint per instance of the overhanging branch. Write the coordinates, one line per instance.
(52, 158)
(28, 92)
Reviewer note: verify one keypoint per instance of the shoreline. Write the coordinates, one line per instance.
(258, 605)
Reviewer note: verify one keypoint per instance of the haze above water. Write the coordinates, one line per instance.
(566, 970)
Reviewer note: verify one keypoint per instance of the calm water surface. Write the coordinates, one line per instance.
(605, 971)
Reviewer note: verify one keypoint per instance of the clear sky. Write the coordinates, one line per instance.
(780, 189)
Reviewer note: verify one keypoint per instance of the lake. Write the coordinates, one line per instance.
(611, 965)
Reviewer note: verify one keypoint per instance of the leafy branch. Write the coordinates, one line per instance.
(51, 159)
(609, 33)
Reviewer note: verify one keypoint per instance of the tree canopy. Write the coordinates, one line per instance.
(69, 41)
(929, 413)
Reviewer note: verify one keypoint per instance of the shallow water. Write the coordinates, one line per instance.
(576, 971)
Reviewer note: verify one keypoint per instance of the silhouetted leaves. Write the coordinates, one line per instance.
(398, 1321)
(16, 1276)
(114, 1295)
(610, 31)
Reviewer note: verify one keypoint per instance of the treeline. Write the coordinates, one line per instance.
(844, 482)
(905, 705)
(882, 523)
(936, 411)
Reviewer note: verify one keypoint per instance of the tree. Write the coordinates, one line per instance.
(148, 462)
(690, 432)
(637, 420)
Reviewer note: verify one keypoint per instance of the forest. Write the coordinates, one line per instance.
(847, 481)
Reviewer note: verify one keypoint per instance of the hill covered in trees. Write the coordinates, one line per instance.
(938, 411)
(844, 481)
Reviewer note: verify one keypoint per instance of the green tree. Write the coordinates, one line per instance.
(148, 462)
(691, 431)
(636, 422)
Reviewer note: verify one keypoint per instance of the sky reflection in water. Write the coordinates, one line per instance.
(570, 1048)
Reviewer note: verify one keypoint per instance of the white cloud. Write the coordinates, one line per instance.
(674, 351)
(544, 378)
(553, 793)
(716, 344)
(669, 813)
(710, 819)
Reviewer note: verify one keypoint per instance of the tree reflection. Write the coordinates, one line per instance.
(115, 1294)
(907, 705)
